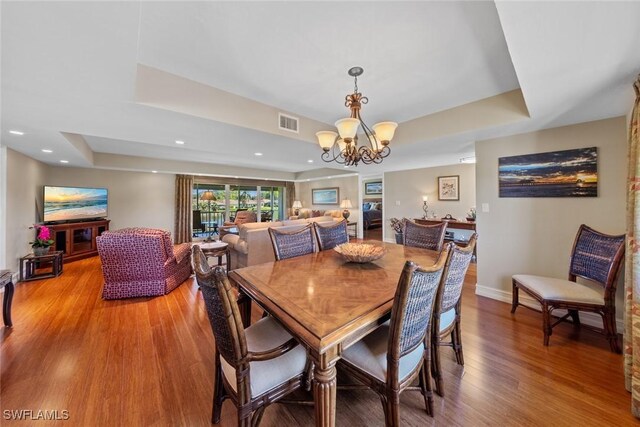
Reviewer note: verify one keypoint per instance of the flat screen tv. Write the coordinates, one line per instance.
(74, 203)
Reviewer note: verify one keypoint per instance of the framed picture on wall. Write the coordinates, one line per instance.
(373, 188)
(449, 187)
(325, 196)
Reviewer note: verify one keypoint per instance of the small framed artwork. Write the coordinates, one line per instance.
(373, 188)
(449, 187)
(325, 196)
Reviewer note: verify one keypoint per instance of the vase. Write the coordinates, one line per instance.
(399, 239)
(40, 251)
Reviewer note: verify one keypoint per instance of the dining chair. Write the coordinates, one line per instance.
(596, 257)
(253, 367)
(330, 236)
(390, 358)
(290, 244)
(447, 309)
(424, 236)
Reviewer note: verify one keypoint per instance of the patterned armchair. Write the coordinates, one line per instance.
(139, 262)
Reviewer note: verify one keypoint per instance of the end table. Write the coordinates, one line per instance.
(6, 282)
(29, 264)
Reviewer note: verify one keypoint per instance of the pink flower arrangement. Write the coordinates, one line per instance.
(43, 237)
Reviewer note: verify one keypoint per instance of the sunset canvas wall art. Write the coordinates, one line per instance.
(567, 173)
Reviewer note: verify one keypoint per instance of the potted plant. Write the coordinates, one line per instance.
(471, 215)
(43, 240)
(397, 225)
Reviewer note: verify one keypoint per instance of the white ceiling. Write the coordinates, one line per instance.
(71, 67)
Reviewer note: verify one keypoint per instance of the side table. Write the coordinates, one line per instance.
(216, 250)
(353, 224)
(29, 264)
(6, 282)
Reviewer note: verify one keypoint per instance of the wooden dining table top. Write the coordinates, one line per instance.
(322, 298)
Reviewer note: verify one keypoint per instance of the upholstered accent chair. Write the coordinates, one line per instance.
(447, 309)
(138, 262)
(424, 236)
(390, 358)
(255, 366)
(242, 217)
(596, 257)
(332, 235)
(290, 244)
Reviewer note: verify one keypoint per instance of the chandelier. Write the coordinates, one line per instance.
(342, 146)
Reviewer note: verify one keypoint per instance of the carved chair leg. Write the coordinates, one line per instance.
(611, 331)
(546, 323)
(436, 367)
(218, 391)
(385, 408)
(393, 410)
(244, 420)
(257, 416)
(575, 317)
(425, 385)
(514, 296)
(456, 338)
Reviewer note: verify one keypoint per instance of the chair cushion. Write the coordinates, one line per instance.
(560, 290)
(447, 318)
(370, 355)
(261, 336)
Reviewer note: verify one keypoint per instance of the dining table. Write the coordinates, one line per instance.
(327, 304)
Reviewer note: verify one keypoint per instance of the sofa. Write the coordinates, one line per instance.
(305, 213)
(252, 244)
(138, 262)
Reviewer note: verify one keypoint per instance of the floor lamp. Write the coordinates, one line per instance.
(208, 196)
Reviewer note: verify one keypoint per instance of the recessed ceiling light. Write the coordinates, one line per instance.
(179, 142)
(154, 171)
(16, 132)
(308, 180)
(257, 154)
(64, 161)
(44, 150)
(346, 167)
(309, 161)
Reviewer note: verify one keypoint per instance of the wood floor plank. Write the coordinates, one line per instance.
(149, 361)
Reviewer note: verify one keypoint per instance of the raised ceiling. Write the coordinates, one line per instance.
(130, 78)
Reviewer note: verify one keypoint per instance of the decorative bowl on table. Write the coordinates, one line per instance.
(360, 252)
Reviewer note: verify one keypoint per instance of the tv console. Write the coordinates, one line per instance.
(77, 239)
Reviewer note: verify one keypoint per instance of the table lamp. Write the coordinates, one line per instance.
(425, 206)
(346, 205)
(297, 204)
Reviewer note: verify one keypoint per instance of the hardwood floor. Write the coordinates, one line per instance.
(373, 233)
(149, 361)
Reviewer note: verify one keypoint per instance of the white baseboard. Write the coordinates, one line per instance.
(591, 319)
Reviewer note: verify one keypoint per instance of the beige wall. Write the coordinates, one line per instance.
(136, 199)
(403, 191)
(25, 177)
(535, 235)
(348, 190)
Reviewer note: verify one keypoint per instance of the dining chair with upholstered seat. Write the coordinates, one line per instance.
(290, 244)
(447, 309)
(255, 366)
(390, 358)
(330, 236)
(596, 257)
(424, 236)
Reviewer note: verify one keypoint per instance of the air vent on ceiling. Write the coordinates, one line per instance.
(287, 123)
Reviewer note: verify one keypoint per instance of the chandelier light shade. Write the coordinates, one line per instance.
(342, 147)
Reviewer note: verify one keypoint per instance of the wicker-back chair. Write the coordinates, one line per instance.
(330, 236)
(254, 366)
(424, 236)
(595, 256)
(447, 309)
(390, 358)
(290, 244)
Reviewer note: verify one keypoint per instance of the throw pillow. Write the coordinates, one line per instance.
(315, 214)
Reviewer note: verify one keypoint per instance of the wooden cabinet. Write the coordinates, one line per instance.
(77, 239)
